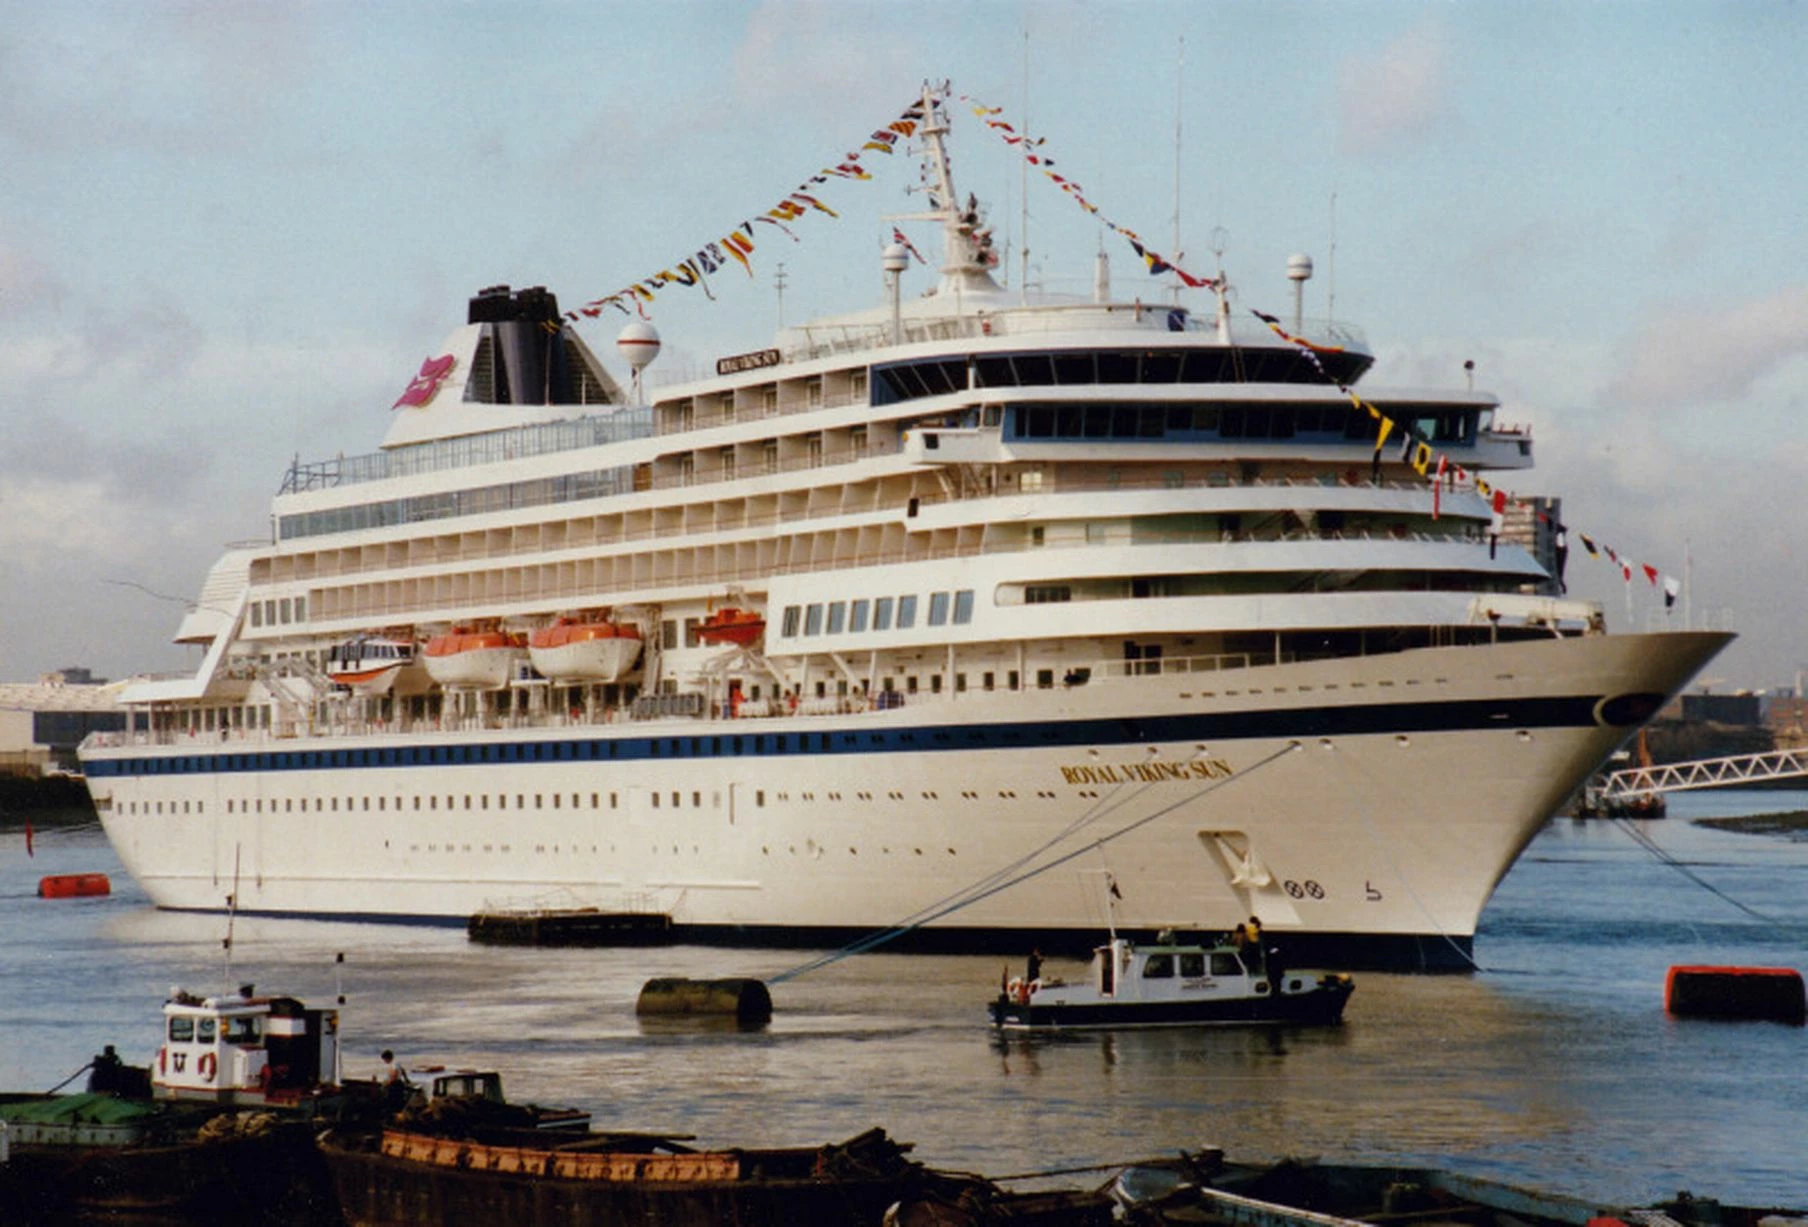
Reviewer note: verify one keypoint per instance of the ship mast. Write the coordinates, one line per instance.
(967, 254)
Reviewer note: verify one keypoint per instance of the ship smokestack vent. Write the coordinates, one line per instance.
(523, 341)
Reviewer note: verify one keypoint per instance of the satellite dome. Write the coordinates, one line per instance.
(638, 343)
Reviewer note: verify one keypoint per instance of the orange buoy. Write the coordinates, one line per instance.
(71, 885)
(1773, 993)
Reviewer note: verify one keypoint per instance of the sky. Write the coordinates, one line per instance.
(231, 230)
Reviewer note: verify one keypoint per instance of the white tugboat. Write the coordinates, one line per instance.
(1174, 983)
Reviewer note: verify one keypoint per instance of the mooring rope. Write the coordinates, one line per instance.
(1650, 845)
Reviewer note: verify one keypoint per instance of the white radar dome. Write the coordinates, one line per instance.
(638, 343)
(894, 259)
(1299, 268)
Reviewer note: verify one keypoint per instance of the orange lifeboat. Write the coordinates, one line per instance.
(73, 885)
(740, 627)
(472, 660)
(584, 650)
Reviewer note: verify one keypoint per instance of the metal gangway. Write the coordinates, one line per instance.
(1704, 773)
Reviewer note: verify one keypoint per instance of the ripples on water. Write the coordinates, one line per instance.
(1555, 1065)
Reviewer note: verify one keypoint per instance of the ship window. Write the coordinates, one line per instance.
(301, 609)
(204, 1030)
(655, 797)
(837, 617)
(963, 607)
(257, 616)
(1224, 964)
(181, 1029)
(792, 613)
(938, 609)
(1047, 594)
(245, 1030)
(1045, 679)
(1074, 369)
(1159, 967)
(1011, 680)
(813, 620)
(987, 680)
(882, 614)
(1192, 966)
(935, 683)
(907, 612)
(283, 607)
(857, 616)
(759, 797)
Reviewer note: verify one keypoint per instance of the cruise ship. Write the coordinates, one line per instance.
(978, 620)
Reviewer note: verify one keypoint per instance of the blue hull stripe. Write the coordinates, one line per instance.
(1576, 711)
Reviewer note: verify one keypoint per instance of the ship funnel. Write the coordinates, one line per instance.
(522, 347)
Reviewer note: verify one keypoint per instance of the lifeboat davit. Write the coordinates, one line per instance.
(740, 627)
(472, 660)
(369, 664)
(573, 649)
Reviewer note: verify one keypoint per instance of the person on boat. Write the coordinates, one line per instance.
(103, 1076)
(1248, 940)
(1033, 972)
(396, 1086)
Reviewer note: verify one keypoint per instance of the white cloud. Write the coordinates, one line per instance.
(1397, 95)
(1703, 354)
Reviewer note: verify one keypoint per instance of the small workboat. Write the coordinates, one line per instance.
(369, 664)
(463, 659)
(741, 627)
(1174, 983)
(584, 650)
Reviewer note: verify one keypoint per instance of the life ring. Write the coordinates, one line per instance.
(207, 1066)
(1019, 991)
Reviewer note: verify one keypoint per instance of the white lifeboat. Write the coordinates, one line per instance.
(464, 659)
(369, 664)
(594, 650)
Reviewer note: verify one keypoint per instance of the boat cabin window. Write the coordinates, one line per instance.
(1159, 967)
(1225, 964)
(1192, 966)
(246, 1030)
(181, 1029)
(204, 1031)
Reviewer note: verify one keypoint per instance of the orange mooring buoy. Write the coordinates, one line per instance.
(71, 885)
(1736, 992)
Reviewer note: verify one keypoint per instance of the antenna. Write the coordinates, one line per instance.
(778, 284)
(232, 911)
(1023, 180)
(1331, 266)
(1179, 80)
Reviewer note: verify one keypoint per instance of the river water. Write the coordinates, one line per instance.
(1553, 1065)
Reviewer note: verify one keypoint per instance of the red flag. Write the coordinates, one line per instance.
(1650, 573)
(1500, 501)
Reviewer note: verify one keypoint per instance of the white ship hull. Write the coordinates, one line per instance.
(1364, 808)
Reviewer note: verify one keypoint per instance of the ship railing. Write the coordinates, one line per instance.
(566, 590)
(813, 341)
(478, 551)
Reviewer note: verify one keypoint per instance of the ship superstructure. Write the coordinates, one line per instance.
(939, 594)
